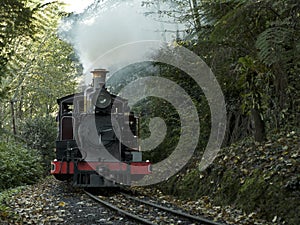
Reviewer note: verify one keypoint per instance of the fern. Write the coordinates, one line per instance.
(273, 45)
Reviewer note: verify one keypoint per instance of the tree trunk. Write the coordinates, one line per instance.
(13, 117)
(259, 126)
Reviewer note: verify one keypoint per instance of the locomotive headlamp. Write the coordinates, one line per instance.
(103, 100)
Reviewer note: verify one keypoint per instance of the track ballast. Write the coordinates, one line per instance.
(148, 211)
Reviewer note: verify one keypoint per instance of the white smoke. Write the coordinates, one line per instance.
(97, 31)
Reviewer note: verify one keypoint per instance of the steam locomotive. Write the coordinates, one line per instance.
(97, 143)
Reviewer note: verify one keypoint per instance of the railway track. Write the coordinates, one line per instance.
(145, 211)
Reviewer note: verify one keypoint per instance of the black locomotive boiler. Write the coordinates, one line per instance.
(97, 143)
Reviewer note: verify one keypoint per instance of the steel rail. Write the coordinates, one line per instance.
(176, 212)
(137, 218)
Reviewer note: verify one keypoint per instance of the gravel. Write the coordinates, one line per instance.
(55, 202)
(205, 208)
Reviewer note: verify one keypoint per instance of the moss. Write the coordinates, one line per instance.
(229, 187)
(189, 184)
(169, 186)
(251, 193)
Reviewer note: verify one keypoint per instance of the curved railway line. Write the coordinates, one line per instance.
(147, 211)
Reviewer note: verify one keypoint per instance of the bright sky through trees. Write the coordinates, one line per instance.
(76, 6)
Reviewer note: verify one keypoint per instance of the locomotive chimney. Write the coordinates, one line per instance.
(99, 77)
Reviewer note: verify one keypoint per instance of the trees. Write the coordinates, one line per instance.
(16, 20)
(36, 68)
(253, 49)
(265, 35)
(40, 67)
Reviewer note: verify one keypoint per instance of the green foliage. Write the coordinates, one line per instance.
(253, 50)
(278, 42)
(21, 21)
(40, 69)
(40, 134)
(16, 20)
(152, 107)
(38, 90)
(148, 108)
(19, 165)
(254, 79)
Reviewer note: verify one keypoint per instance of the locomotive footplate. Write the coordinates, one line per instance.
(97, 174)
